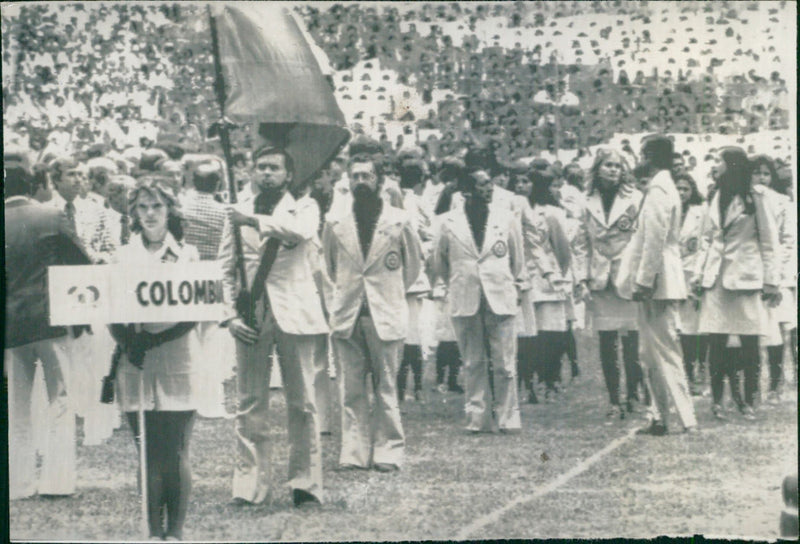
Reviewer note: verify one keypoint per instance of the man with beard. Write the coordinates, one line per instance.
(283, 309)
(479, 253)
(372, 255)
(651, 272)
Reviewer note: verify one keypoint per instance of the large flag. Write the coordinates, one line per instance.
(274, 82)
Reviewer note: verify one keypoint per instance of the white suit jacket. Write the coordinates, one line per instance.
(293, 293)
(537, 227)
(747, 245)
(392, 265)
(691, 229)
(599, 242)
(653, 255)
(497, 270)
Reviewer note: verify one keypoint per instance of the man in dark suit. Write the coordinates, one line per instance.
(37, 236)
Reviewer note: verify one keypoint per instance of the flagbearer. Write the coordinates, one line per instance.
(372, 255)
(281, 307)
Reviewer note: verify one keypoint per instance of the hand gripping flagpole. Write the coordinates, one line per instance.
(224, 136)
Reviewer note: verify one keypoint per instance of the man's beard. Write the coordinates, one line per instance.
(363, 194)
(366, 204)
(410, 176)
(268, 198)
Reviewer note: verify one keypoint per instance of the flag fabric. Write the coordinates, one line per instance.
(274, 82)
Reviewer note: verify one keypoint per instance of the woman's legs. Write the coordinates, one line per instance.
(572, 351)
(608, 361)
(751, 365)
(168, 468)
(634, 375)
(717, 362)
(178, 474)
(154, 458)
(526, 347)
(775, 358)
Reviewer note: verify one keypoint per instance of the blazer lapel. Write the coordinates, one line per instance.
(735, 209)
(595, 207)
(494, 231)
(463, 233)
(618, 208)
(346, 231)
(381, 238)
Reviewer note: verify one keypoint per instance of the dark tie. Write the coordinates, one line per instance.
(125, 231)
(69, 209)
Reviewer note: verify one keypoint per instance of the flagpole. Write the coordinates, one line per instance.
(224, 136)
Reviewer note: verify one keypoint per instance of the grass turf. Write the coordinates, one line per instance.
(723, 481)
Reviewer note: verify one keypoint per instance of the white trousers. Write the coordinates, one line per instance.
(58, 474)
(660, 353)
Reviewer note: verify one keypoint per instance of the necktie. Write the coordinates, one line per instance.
(125, 231)
(69, 209)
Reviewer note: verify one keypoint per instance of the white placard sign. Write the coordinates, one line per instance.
(161, 293)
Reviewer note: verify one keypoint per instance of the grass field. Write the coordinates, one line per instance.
(723, 481)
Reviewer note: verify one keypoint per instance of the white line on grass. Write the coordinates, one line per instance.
(578, 469)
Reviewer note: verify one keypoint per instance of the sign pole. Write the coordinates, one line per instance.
(143, 457)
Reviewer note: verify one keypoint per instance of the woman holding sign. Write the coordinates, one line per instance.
(156, 366)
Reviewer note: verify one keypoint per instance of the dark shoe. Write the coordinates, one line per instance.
(385, 467)
(615, 412)
(349, 467)
(302, 498)
(656, 428)
(456, 389)
(326, 433)
(510, 431)
(575, 370)
(691, 430)
(418, 395)
(532, 398)
(719, 412)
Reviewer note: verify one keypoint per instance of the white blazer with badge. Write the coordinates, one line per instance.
(497, 270)
(293, 293)
(392, 265)
(600, 242)
(745, 247)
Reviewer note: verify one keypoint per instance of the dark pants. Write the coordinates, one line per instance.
(447, 359)
(412, 357)
(610, 363)
(169, 475)
(550, 347)
(694, 348)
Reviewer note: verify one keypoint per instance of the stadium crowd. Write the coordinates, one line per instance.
(479, 249)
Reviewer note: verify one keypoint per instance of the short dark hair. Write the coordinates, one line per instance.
(375, 161)
(660, 149)
(288, 162)
(18, 181)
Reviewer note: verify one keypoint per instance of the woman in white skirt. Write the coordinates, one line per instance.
(525, 319)
(550, 285)
(607, 224)
(784, 315)
(159, 357)
(695, 346)
(736, 278)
